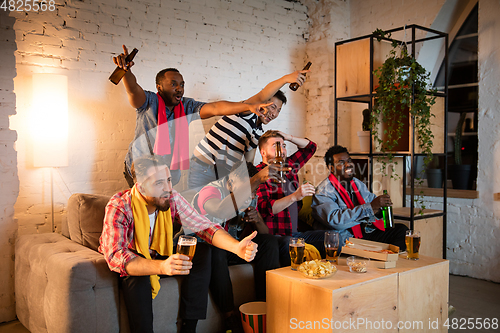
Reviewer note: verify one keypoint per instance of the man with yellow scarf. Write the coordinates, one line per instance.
(137, 242)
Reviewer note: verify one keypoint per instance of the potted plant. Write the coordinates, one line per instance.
(434, 174)
(403, 91)
(364, 136)
(459, 173)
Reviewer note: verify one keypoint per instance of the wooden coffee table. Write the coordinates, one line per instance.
(414, 295)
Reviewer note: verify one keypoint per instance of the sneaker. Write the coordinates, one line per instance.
(233, 324)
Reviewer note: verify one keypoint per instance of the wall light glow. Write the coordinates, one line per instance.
(49, 120)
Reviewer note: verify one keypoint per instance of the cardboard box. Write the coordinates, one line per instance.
(383, 264)
(365, 248)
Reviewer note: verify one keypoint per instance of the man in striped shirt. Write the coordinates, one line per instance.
(236, 136)
(153, 204)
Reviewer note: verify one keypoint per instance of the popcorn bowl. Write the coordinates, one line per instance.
(317, 269)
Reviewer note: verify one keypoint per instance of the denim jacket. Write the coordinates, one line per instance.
(331, 211)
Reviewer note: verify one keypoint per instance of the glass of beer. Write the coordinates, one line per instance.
(186, 245)
(412, 241)
(296, 247)
(332, 246)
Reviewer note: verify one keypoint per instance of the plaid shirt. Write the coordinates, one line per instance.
(269, 192)
(117, 238)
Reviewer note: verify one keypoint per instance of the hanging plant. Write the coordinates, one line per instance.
(401, 77)
(404, 84)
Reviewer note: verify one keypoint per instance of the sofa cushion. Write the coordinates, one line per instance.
(62, 286)
(85, 218)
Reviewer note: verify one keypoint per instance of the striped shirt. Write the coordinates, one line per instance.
(230, 138)
(117, 238)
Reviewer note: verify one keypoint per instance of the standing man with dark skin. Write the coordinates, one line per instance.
(168, 104)
(344, 203)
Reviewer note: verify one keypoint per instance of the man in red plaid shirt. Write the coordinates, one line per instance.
(279, 203)
(137, 242)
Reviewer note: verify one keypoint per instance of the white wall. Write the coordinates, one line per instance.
(473, 225)
(330, 21)
(9, 181)
(477, 253)
(224, 49)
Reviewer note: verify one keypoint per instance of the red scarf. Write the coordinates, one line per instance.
(180, 156)
(356, 230)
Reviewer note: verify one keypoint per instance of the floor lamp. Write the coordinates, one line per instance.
(50, 125)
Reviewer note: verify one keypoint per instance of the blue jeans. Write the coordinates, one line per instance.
(200, 174)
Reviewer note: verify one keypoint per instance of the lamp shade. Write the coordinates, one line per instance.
(49, 120)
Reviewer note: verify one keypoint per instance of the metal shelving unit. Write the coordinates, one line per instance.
(366, 95)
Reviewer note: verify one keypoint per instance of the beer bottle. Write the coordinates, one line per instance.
(294, 86)
(279, 161)
(387, 216)
(119, 72)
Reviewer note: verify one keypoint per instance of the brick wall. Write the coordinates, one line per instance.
(224, 49)
(480, 257)
(9, 182)
(330, 22)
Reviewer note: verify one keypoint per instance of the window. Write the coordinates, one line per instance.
(463, 92)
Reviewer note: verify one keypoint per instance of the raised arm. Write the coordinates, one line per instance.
(135, 93)
(225, 108)
(265, 94)
(299, 142)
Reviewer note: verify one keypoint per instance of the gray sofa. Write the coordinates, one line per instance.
(63, 284)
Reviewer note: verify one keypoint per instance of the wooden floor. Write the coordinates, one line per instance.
(470, 297)
(474, 298)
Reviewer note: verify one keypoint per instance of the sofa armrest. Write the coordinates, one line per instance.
(62, 286)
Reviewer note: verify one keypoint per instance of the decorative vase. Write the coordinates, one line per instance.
(435, 178)
(364, 141)
(403, 117)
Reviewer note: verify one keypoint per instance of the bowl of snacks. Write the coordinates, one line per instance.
(317, 269)
(358, 264)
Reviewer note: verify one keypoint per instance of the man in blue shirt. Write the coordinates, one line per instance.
(170, 87)
(357, 215)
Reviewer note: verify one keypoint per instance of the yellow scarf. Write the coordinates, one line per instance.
(162, 240)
